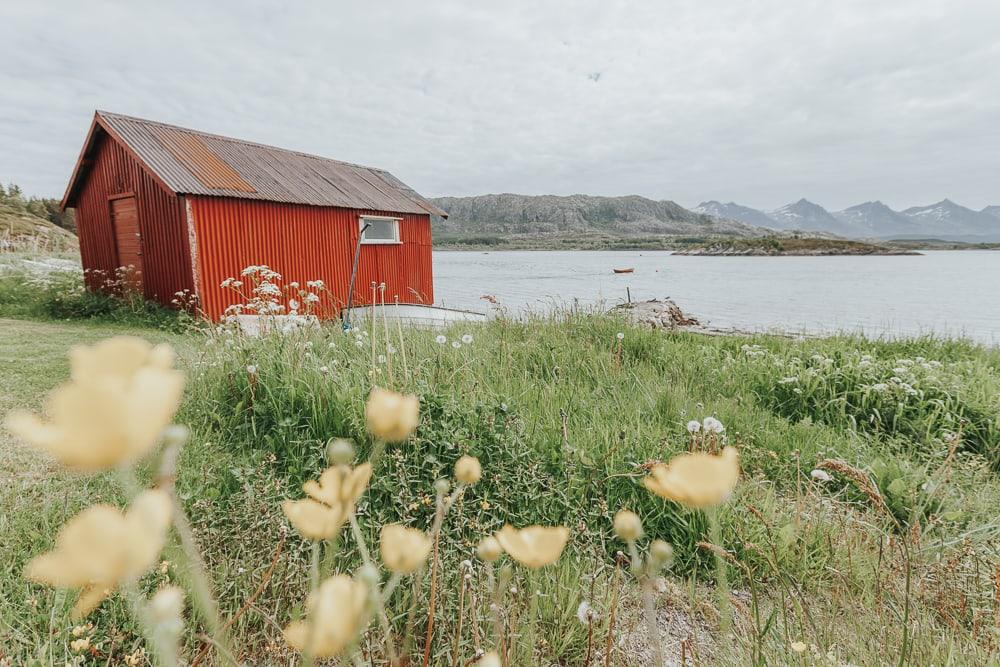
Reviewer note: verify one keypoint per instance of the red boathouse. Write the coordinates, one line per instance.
(188, 209)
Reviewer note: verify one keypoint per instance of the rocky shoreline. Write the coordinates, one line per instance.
(666, 314)
(778, 247)
(773, 252)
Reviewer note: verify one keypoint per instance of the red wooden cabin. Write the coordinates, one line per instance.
(188, 210)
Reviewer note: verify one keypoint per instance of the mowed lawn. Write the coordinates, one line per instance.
(36, 496)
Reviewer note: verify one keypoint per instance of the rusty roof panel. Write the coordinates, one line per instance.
(210, 170)
(191, 162)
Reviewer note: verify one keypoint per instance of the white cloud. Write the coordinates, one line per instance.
(760, 103)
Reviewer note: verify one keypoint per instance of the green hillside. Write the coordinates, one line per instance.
(20, 230)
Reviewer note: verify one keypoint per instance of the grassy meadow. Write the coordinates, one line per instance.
(864, 530)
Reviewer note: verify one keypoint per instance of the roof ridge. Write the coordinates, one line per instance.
(224, 137)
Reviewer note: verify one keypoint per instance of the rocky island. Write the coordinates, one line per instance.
(777, 246)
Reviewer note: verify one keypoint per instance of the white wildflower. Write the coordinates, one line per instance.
(693, 426)
(821, 475)
(251, 369)
(440, 339)
(455, 344)
(467, 339)
(620, 335)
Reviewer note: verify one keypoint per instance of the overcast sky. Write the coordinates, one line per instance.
(757, 102)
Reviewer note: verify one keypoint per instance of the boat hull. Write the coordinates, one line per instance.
(412, 315)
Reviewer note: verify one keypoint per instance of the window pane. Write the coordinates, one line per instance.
(380, 230)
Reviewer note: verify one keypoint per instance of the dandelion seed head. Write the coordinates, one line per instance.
(440, 339)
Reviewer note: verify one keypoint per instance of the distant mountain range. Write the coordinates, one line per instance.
(943, 220)
(513, 216)
(506, 215)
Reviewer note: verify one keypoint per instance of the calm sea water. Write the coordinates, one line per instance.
(948, 293)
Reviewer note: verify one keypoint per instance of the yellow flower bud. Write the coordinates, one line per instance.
(391, 416)
(468, 470)
(660, 554)
(628, 526)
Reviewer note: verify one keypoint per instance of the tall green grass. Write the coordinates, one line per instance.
(566, 419)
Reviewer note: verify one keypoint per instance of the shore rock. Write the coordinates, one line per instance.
(656, 313)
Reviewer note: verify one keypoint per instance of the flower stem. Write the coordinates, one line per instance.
(201, 588)
(648, 606)
(721, 573)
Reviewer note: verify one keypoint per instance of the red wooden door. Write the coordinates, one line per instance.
(125, 218)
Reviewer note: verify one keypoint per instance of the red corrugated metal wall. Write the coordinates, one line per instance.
(307, 243)
(162, 224)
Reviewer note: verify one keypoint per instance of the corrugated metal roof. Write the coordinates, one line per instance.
(192, 162)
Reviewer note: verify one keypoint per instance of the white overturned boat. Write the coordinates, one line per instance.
(410, 314)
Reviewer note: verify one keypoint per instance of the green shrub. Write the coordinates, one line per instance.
(61, 295)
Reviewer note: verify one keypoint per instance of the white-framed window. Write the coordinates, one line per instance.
(380, 229)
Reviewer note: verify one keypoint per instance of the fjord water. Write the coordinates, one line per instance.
(945, 293)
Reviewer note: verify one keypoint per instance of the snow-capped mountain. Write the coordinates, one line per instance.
(734, 211)
(954, 220)
(943, 220)
(873, 218)
(808, 216)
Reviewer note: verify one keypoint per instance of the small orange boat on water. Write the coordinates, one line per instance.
(628, 270)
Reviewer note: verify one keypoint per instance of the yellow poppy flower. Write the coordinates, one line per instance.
(122, 394)
(335, 614)
(101, 547)
(313, 520)
(697, 480)
(534, 546)
(391, 416)
(404, 549)
(340, 485)
(330, 503)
